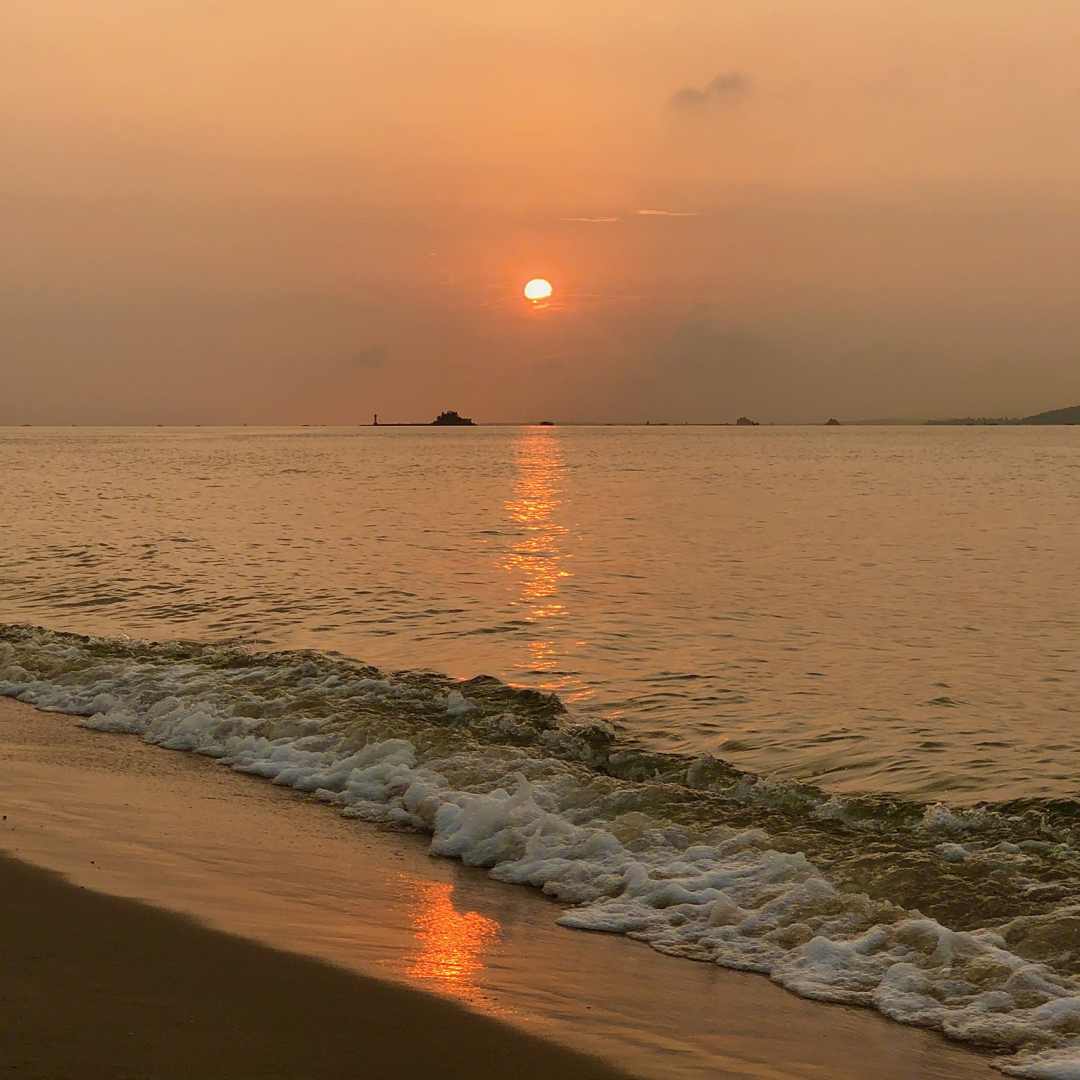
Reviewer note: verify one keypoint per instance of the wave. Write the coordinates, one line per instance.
(962, 919)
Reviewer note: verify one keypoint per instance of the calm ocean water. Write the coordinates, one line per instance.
(881, 609)
(817, 701)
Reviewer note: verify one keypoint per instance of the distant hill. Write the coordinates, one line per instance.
(975, 421)
(1055, 416)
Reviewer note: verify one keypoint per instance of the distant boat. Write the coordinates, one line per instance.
(451, 419)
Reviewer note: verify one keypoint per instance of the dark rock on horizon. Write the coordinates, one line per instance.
(451, 419)
(832, 422)
(745, 421)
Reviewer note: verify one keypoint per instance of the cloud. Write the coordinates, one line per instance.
(369, 359)
(594, 220)
(668, 213)
(725, 89)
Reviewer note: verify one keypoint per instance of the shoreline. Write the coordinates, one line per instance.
(101, 986)
(265, 863)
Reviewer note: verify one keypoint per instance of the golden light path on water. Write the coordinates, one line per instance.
(536, 559)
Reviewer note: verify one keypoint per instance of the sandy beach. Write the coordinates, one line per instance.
(362, 953)
(99, 986)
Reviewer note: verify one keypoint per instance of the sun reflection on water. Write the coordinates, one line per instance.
(536, 558)
(452, 942)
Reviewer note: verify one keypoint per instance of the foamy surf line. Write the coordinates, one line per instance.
(689, 855)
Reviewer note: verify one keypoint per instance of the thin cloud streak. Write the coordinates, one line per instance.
(668, 213)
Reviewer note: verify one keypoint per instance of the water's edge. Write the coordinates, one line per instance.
(960, 920)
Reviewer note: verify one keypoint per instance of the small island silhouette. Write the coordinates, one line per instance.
(451, 419)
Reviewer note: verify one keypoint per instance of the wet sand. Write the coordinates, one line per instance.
(98, 986)
(326, 945)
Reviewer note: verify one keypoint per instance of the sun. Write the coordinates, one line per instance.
(538, 289)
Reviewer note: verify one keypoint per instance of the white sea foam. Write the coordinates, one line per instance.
(584, 838)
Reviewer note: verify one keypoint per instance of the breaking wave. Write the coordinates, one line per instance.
(965, 920)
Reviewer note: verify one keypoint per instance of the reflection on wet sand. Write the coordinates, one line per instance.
(536, 558)
(452, 942)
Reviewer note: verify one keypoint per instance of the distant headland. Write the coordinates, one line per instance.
(1070, 415)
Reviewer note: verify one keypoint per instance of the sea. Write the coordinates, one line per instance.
(795, 700)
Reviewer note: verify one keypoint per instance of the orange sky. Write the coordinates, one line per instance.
(252, 210)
